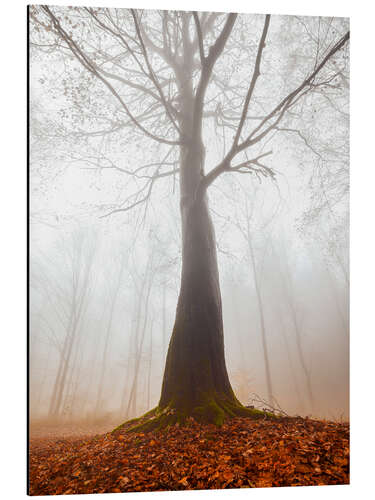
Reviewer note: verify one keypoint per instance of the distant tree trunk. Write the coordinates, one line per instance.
(149, 370)
(124, 392)
(164, 333)
(301, 405)
(286, 280)
(301, 354)
(99, 397)
(134, 338)
(298, 336)
(62, 381)
(148, 279)
(75, 381)
(242, 354)
(261, 317)
(132, 403)
(81, 261)
(343, 317)
(338, 257)
(86, 401)
(44, 379)
(59, 384)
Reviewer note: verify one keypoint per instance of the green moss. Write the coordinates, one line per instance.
(137, 419)
(210, 412)
(151, 412)
(214, 409)
(121, 426)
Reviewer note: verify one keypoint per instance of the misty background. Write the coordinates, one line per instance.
(104, 289)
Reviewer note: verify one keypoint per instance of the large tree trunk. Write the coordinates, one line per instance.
(195, 377)
(195, 367)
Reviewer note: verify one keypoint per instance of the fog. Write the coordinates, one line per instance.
(104, 284)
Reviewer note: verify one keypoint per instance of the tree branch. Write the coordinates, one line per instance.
(288, 100)
(254, 78)
(255, 161)
(280, 109)
(90, 66)
(152, 75)
(200, 37)
(152, 178)
(207, 67)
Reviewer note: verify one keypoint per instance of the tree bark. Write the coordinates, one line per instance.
(195, 377)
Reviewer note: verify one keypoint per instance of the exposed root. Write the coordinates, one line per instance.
(213, 411)
(130, 423)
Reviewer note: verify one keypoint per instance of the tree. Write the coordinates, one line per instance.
(160, 72)
(247, 234)
(112, 303)
(290, 298)
(65, 296)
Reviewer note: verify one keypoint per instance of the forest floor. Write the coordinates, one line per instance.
(242, 453)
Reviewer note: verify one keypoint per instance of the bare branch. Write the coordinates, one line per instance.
(90, 66)
(247, 165)
(287, 102)
(152, 75)
(254, 78)
(278, 112)
(298, 132)
(209, 62)
(244, 167)
(199, 36)
(132, 205)
(156, 175)
(164, 51)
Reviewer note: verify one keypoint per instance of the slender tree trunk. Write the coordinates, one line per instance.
(134, 338)
(243, 363)
(301, 355)
(98, 405)
(75, 380)
(301, 405)
(261, 318)
(124, 392)
(62, 384)
(164, 333)
(44, 379)
(339, 259)
(58, 381)
(335, 293)
(298, 336)
(286, 280)
(132, 403)
(80, 279)
(149, 370)
(86, 399)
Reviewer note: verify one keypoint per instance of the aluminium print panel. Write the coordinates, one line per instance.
(188, 250)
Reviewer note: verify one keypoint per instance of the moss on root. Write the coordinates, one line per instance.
(128, 423)
(213, 410)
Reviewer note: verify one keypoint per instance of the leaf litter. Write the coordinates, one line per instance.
(242, 453)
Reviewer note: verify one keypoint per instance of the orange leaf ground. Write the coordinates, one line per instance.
(241, 453)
